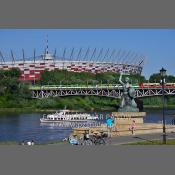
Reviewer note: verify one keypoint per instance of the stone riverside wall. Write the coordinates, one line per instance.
(122, 122)
(123, 130)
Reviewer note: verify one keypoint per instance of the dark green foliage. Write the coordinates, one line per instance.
(13, 93)
(64, 77)
(155, 78)
(77, 103)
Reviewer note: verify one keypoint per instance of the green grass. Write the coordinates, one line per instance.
(9, 143)
(153, 142)
(45, 143)
(53, 142)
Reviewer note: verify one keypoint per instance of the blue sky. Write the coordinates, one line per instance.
(158, 45)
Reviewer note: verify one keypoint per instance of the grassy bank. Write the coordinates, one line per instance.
(9, 143)
(80, 103)
(74, 103)
(45, 143)
(154, 142)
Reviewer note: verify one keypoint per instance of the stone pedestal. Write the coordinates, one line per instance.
(122, 120)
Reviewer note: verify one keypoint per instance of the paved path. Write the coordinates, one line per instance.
(119, 140)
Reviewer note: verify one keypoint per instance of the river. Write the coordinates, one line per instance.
(27, 126)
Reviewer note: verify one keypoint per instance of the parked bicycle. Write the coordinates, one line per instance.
(100, 139)
(95, 139)
(86, 139)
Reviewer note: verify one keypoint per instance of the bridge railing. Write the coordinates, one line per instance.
(50, 87)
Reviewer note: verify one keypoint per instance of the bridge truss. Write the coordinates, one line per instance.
(106, 92)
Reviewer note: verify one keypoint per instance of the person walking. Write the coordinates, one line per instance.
(132, 127)
(109, 123)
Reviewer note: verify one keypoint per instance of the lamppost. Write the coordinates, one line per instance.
(162, 75)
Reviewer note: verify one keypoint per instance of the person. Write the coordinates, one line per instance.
(109, 122)
(23, 143)
(32, 142)
(29, 143)
(65, 139)
(73, 140)
(86, 135)
(132, 127)
(174, 121)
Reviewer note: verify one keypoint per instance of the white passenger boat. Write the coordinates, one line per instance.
(66, 115)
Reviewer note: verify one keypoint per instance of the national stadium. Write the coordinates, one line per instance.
(75, 60)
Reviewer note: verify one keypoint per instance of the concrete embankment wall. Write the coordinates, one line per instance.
(146, 128)
(123, 129)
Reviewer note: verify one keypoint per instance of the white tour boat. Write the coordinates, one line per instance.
(66, 115)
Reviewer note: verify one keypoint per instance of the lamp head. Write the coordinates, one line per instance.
(162, 72)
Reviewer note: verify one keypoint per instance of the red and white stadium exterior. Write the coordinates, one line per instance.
(31, 70)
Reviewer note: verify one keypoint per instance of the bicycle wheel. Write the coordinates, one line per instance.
(100, 141)
(89, 142)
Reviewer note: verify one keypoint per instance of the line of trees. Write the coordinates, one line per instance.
(155, 78)
(13, 93)
(65, 77)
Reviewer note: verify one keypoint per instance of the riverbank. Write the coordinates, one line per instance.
(104, 109)
(36, 144)
(33, 110)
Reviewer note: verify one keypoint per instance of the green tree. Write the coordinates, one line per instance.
(155, 78)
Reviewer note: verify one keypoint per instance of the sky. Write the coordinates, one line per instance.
(157, 45)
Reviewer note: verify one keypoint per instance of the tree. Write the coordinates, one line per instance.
(155, 78)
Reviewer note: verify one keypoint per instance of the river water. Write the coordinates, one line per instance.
(18, 127)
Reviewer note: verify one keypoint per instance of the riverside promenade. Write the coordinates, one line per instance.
(121, 140)
(145, 128)
(144, 132)
(126, 140)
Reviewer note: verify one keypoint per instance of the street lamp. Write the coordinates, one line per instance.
(162, 75)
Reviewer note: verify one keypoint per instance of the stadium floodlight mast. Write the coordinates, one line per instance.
(2, 58)
(13, 58)
(162, 75)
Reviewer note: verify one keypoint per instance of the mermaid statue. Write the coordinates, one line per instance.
(128, 103)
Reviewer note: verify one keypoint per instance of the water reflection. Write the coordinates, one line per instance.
(69, 124)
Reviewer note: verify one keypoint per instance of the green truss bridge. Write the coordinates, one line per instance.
(113, 91)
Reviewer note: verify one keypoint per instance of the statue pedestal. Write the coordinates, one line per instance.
(122, 120)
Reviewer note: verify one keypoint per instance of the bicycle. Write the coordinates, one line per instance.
(94, 139)
(86, 140)
(100, 139)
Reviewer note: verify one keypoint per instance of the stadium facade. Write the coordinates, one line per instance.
(90, 60)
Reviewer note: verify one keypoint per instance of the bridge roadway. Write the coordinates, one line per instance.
(107, 91)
